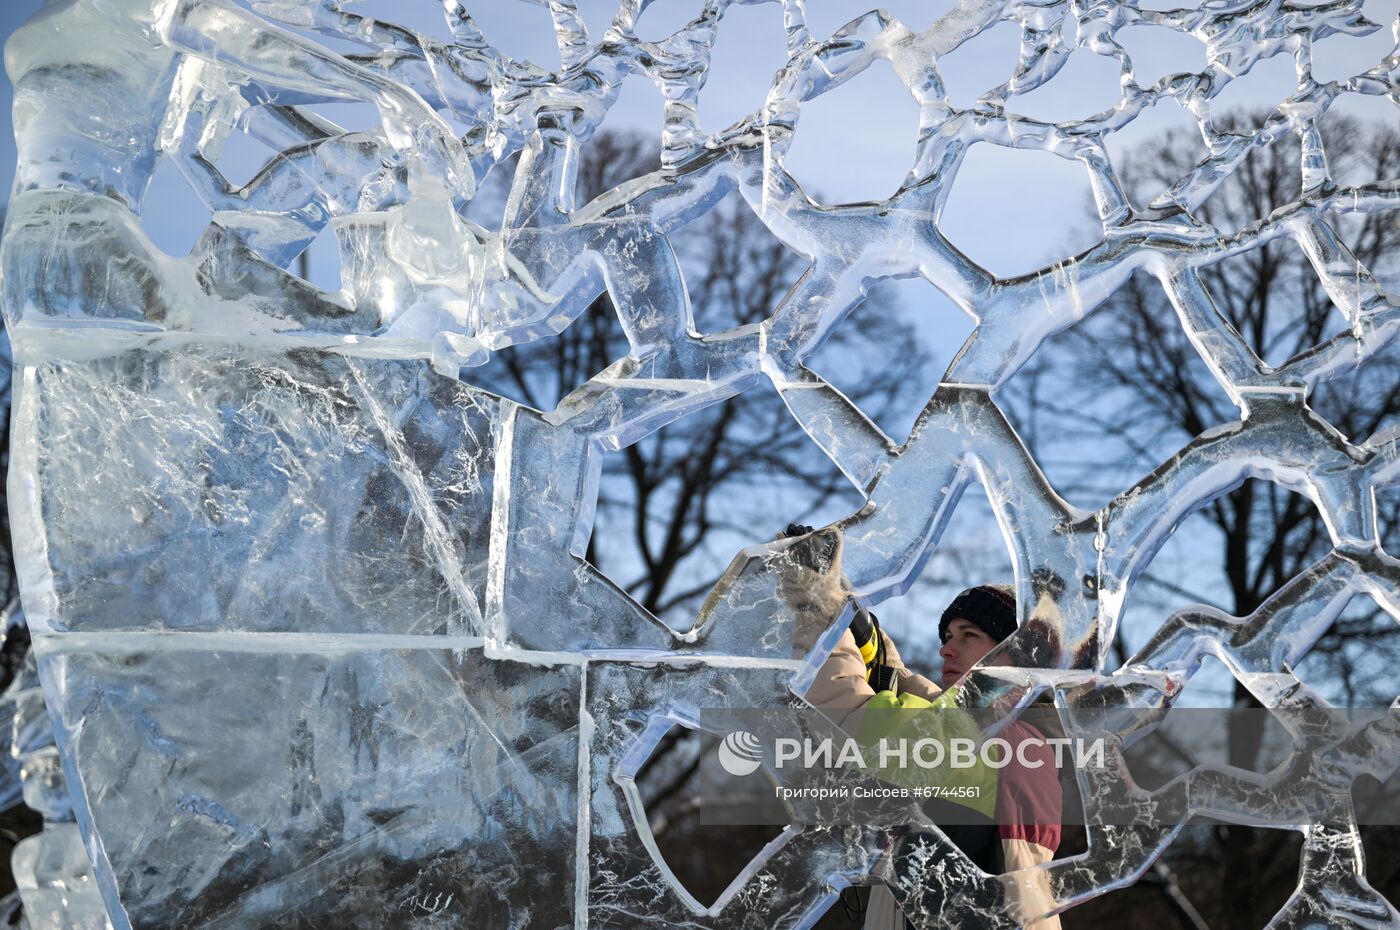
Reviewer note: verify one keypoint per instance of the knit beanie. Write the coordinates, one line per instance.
(989, 607)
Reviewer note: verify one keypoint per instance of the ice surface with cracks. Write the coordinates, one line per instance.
(311, 611)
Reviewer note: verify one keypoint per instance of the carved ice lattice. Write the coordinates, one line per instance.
(311, 611)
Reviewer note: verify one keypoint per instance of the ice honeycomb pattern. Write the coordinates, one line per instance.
(311, 610)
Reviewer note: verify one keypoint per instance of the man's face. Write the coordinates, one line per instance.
(966, 644)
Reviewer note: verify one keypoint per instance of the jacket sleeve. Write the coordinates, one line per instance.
(840, 688)
(1028, 822)
(1028, 892)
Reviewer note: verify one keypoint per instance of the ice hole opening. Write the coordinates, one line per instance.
(837, 166)
(1014, 211)
(626, 144)
(1108, 399)
(980, 64)
(1256, 93)
(172, 214)
(1193, 884)
(319, 262)
(890, 354)
(1361, 139)
(1340, 56)
(1250, 739)
(1273, 298)
(1155, 151)
(1157, 51)
(747, 54)
(1232, 553)
(705, 853)
(242, 157)
(674, 507)
(1352, 663)
(1266, 179)
(488, 204)
(1087, 84)
(971, 550)
(1260, 891)
(664, 18)
(736, 270)
(350, 115)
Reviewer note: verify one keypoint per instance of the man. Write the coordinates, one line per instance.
(1028, 795)
(1026, 827)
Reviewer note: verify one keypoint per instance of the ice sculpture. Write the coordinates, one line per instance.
(310, 610)
(56, 882)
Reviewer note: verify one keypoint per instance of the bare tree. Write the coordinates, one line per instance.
(1134, 389)
(676, 506)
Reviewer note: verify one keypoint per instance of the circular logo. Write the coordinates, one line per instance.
(740, 753)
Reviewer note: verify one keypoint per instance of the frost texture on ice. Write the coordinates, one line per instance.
(311, 611)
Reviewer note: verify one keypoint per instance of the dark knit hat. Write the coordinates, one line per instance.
(989, 607)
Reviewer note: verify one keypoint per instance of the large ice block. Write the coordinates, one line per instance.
(319, 641)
